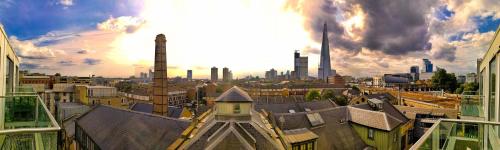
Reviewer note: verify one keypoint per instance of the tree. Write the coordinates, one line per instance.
(355, 88)
(328, 94)
(313, 95)
(444, 81)
(467, 87)
(340, 100)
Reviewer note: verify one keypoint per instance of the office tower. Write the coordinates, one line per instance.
(414, 71)
(301, 64)
(189, 75)
(271, 74)
(160, 99)
(325, 68)
(214, 76)
(225, 74)
(427, 66)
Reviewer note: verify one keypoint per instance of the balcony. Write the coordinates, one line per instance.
(27, 123)
(471, 106)
(453, 134)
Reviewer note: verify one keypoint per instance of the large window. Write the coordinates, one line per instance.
(492, 89)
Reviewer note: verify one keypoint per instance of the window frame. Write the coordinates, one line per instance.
(371, 133)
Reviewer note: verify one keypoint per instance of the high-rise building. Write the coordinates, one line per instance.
(427, 66)
(189, 75)
(325, 68)
(300, 66)
(414, 71)
(271, 74)
(160, 92)
(214, 76)
(226, 74)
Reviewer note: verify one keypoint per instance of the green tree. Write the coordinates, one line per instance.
(328, 94)
(467, 87)
(340, 100)
(444, 81)
(313, 95)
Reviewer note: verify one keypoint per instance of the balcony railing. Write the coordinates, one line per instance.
(471, 105)
(454, 134)
(26, 123)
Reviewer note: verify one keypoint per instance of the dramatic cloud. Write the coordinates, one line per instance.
(446, 52)
(311, 50)
(27, 49)
(91, 61)
(127, 24)
(392, 26)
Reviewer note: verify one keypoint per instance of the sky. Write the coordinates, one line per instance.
(115, 38)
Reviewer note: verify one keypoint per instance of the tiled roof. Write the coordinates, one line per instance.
(113, 128)
(234, 94)
(374, 119)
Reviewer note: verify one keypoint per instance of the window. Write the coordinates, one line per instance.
(370, 133)
(492, 83)
(236, 108)
(307, 145)
(9, 78)
(395, 137)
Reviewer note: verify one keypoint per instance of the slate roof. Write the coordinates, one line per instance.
(297, 107)
(335, 134)
(234, 94)
(172, 111)
(114, 128)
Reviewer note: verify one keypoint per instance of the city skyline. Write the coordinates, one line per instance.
(119, 35)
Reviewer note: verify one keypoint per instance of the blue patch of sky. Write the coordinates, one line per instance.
(28, 19)
(443, 13)
(486, 24)
(457, 37)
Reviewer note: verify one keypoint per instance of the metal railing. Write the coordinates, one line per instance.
(27, 122)
(459, 134)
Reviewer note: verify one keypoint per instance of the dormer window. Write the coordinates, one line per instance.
(236, 108)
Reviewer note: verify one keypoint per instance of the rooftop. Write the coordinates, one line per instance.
(137, 130)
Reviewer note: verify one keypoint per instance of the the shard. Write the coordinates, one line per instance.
(325, 68)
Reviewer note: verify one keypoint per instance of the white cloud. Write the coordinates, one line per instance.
(127, 24)
(66, 2)
(27, 49)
